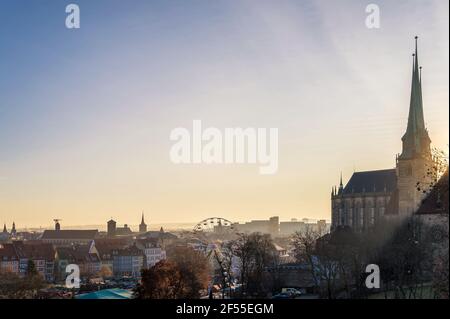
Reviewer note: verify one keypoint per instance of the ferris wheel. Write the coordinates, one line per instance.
(207, 225)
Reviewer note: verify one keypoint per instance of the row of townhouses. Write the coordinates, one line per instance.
(100, 257)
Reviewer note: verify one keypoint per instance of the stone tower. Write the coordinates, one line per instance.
(415, 159)
(111, 227)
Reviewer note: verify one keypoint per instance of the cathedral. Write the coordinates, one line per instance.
(390, 193)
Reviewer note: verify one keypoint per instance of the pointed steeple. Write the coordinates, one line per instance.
(4, 229)
(143, 225)
(341, 186)
(416, 140)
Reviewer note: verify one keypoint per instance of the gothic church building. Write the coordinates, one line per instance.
(370, 196)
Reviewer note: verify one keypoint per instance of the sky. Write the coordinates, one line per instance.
(86, 114)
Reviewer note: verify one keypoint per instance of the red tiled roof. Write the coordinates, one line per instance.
(20, 250)
(106, 246)
(77, 254)
(129, 251)
(7, 252)
(35, 250)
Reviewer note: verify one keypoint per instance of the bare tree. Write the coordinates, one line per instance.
(324, 258)
(304, 244)
(256, 253)
(435, 168)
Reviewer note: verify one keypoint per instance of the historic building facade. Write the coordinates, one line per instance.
(370, 196)
(364, 200)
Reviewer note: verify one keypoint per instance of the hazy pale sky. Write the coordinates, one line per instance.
(85, 115)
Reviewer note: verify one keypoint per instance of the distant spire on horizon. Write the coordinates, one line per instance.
(142, 225)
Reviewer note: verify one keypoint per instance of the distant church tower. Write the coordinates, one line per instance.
(415, 159)
(111, 228)
(142, 225)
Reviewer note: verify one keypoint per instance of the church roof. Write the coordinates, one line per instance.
(372, 181)
(69, 234)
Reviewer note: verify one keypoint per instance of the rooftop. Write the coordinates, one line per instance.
(372, 181)
(70, 234)
(107, 294)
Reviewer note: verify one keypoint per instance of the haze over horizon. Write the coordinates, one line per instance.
(86, 114)
(134, 227)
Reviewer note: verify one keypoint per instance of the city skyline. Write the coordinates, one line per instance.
(84, 126)
(134, 226)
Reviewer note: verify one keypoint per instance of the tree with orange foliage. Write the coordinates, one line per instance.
(182, 276)
(159, 282)
(194, 269)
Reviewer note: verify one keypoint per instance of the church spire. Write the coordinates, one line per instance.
(341, 186)
(142, 225)
(4, 229)
(415, 140)
(420, 78)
